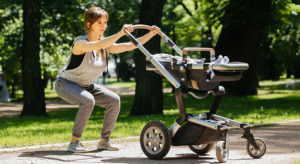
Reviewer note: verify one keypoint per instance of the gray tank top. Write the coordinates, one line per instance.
(90, 68)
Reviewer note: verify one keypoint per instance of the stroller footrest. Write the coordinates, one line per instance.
(206, 123)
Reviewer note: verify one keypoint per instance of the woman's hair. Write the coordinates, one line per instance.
(92, 15)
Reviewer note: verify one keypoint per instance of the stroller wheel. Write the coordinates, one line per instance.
(155, 140)
(222, 152)
(202, 148)
(256, 153)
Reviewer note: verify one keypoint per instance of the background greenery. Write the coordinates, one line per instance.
(190, 23)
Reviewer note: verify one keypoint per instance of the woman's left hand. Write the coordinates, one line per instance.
(155, 30)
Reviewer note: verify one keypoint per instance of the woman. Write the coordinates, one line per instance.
(86, 63)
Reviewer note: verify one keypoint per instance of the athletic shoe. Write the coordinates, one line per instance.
(107, 145)
(77, 147)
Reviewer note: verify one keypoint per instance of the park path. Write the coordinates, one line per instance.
(283, 147)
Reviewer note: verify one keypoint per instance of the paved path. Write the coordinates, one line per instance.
(283, 147)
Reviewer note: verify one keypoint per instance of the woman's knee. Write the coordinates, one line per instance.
(88, 101)
(116, 100)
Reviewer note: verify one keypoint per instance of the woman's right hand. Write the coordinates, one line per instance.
(128, 27)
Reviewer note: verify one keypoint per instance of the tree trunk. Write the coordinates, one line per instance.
(34, 97)
(148, 96)
(240, 41)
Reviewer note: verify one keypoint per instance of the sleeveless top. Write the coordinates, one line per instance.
(90, 68)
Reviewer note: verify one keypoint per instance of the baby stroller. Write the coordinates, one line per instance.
(203, 130)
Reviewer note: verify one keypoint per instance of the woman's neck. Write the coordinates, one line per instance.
(92, 37)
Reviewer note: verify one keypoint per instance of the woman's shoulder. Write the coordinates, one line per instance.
(80, 38)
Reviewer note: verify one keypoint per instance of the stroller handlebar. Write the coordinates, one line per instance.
(145, 27)
(164, 36)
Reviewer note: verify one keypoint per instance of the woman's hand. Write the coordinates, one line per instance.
(128, 27)
(155, 30)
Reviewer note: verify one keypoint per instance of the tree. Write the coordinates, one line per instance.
(148, 97)
(245, 24)
(284, 47)
(34, 96)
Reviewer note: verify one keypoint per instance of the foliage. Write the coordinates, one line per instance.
(11, 42)
(283, 46)
(200, 29)
(198, 24)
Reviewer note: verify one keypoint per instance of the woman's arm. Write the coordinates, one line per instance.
(122, 47)
(83, 46)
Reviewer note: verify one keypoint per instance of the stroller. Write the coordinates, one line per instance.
(202, 131)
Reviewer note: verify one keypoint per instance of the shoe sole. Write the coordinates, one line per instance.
(77, 151)
(110, 149)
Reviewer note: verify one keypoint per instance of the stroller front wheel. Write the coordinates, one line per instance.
(202, 148)
(251, 151)
(155, 140)
(222, 152)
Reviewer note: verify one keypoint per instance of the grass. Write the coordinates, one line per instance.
(274, 105)
(296, 162)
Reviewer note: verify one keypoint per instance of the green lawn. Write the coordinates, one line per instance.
(274, 105)
(296, 162)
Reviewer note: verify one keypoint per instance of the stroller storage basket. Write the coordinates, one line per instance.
(193, 134)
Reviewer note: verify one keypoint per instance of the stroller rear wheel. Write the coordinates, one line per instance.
(202, 148)
(155, 140)
(222, 152)
(256, 153)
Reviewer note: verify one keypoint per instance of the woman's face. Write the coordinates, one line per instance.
(99, 26)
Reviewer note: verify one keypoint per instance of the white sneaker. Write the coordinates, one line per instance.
(222, 60)
(77, 147)
(225, 59)
(107, 145)
(219, 60)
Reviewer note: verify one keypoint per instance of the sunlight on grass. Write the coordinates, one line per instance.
(129, 85)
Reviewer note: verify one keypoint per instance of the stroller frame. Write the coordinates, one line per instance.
(156, 139)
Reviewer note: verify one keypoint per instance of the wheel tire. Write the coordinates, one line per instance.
(202, 148)
(155, 140)
(221, 152)
(252, 152)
